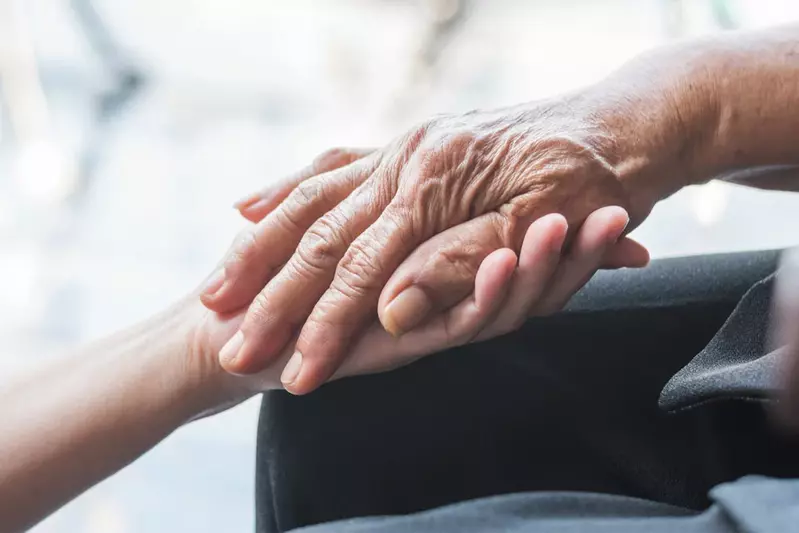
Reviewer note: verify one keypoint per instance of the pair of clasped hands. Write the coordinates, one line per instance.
(369, 259)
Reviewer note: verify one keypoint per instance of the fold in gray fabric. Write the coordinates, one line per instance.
(736, 364)
(749, 505)
(760, 505)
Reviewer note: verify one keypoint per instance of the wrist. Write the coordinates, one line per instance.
(177, 355)
(656, 119)
(209, 388)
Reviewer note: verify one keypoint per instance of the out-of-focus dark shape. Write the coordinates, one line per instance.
(440, 23)
(723, 14)
(128, 80)
(675, 17)
(444, 19)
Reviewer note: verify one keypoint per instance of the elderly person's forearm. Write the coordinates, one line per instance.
(732, 99)
(402, 230)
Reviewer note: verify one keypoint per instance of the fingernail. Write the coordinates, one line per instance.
(230, 351)
(406, 311)
(558, 244)
(214, 283)
(247, 201)
(613, 239)
(292, 369)
(260, 204)
(627, 223)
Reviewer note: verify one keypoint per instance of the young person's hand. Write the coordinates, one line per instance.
(508, 289)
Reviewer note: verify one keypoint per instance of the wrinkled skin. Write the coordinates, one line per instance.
(420, 214)
(506, 292)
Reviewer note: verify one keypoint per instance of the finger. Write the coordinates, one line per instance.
(254, 207)
(538, 262)
(439, 273)
(600, 231)
(269, 244)
(284, 304)
(350, 302)
(627, 253)
(378, 351)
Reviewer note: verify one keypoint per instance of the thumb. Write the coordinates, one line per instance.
(438, 274)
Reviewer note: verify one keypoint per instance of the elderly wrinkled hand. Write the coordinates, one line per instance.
(401, 231)
(506, 291)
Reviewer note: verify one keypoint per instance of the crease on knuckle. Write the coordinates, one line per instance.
(461, 262)
(259, 312)
(359, 271)
(244, 249)
(308, 193)
(330, 159)
(320, 248)
(301, 201)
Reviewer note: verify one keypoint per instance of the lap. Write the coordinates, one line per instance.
(568, 402)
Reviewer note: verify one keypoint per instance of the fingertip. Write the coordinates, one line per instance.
(246, 201)
(220, 301)
(617, 218)
(499, 262)
(555, 221)
(212, 286)
(640, 257)
(229, 355)
(494, 276)
(257, 211)
(301, 375)
(252, 349)
(552, 228)
(626, 253)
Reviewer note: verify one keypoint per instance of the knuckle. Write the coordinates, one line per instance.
(403, 219)
(360, 270)
(291, 213)
(414, 139)
(461, 263)
(244, 249)
(331, 159)
(320, 248)
(258, 313)
(308, 192)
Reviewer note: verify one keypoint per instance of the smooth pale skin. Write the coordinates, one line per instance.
(402, 229)
(679, 115)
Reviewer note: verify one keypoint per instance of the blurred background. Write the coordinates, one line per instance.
(128, 128)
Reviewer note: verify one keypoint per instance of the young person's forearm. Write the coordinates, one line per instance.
(75, 424)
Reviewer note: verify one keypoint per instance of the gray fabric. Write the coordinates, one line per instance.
(760, 505)
(535, 512)
(749, 505)
(732, 439)
(675, 282)
(736, 364)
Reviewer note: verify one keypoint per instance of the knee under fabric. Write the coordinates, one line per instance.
(567, 403)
